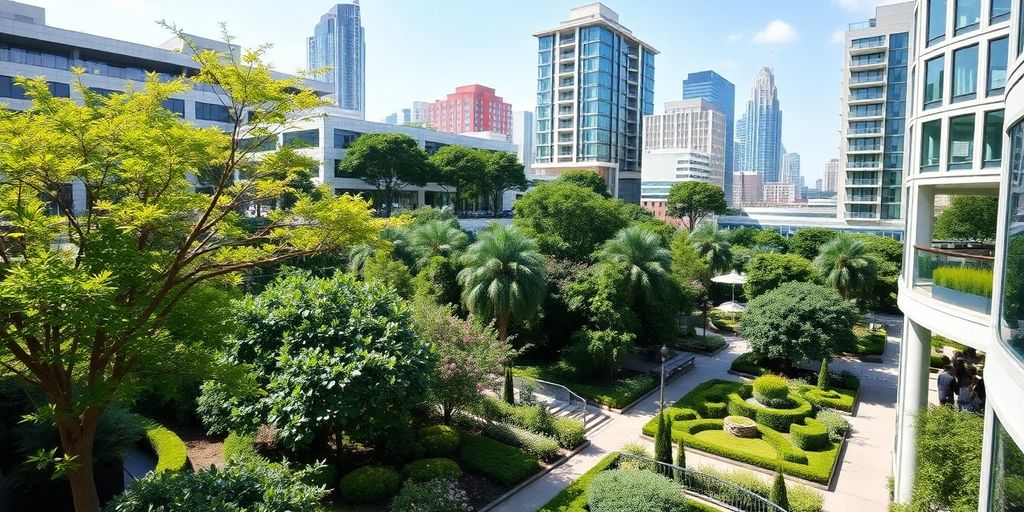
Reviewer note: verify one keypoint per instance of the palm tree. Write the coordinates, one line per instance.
(646, 262)
(503, 276)
(845, 265)
(713, 245)
(436, 238)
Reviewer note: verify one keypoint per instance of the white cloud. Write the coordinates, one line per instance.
(862, 5)
(837, 37)
(776, 32)
(734, 38)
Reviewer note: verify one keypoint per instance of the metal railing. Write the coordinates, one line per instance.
(721, 492)
(557, 392)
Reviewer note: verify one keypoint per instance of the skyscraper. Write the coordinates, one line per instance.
(685, 127)
(595, 82)
(720, 93)
(522, 137)
(337, 44)
(830, 178)
(791, 171)
(759, 130)
(471, 108)
(874, 115)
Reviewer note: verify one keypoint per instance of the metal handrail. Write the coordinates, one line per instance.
(957, 254)
(728, 494)
(567, 391)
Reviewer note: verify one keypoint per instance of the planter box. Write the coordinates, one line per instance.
(962, 299)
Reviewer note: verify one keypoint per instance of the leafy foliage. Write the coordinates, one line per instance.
(944, 435)
(770, 240)
(574, 497)
(712, 244)
(586, 179)
(503, 172)
(552, 212)
(767, 271)
(645, 261)
(430, 469)
(437, 238)
(462, 168)
(431, 496)
(621, 490)
(389, 162)
(495, 460)
(976, 281)
(695, 200)
(171, 454)
(808, 242)
(778, 495)
(439, 440)
(844, 264)
(369, 484)
(969, 218)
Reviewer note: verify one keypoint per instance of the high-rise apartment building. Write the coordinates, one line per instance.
(791, 171)
(337, 45)
(779, 193)
(874, 115)
(759, 130)
(522, 137)
(670, 138)
(721, 94)
(471, 108)
(748, 188)
(830, 178)
(595, 83)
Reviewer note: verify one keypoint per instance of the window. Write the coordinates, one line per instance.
(931, 137)
(251, 143)
(998, 56)
(1000, 11)
(212, 112)
(1012, 306)
(345, 138)
(103, 92)
(968, 16)
(9, 89)
(1007, 472)
(933, 72)
(59, 90)
(993, 138)
(302, 139)
(961, 142)
(174, 105)
(936, 21)
(868, 42)
(965, 73)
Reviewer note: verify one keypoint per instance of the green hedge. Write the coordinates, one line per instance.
(975, 281)
(832, 398)
(439, 440)
(810, 436)
(574, 497)
(778, 419)
(171, 453)
(623, 490)
(540, 445)
(430, 469)
(495, 460)
(238, 444)
(568, 431)
(369, 484)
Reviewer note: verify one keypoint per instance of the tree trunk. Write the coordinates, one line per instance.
(458, 201)
(503, 327)
(387, 201)
(77, 442)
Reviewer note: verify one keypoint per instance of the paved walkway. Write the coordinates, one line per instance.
(865, 464)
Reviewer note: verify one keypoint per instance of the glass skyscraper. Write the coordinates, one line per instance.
(759, 130)
(337, 44)
(720, 93)
(595, 82)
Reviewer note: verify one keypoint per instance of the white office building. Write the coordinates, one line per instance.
(522, 136)
(686, 127)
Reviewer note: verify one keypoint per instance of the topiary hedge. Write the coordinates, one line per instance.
(771, 390)
(621, 490)
(369, 484)
(430, 469)
(811, 436)
(831, 398)
(171, 452)
(715, 410)
(778, 419)
(495, 460)
(439, 440)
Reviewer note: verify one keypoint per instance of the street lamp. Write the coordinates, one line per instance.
(704, 301)
(661, 401)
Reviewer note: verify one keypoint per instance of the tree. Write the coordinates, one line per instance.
(503, 172)
(663, 443)
(88, 292)
(695, 200)
(778, 495)
(438, 281)
(845, 265)
(437, 238)
(807, 242)
(969, 218)
(381, 268)
(888, 255)
(471, 357)
(329, 359)
(586, 179)
(680, 459)
(503, 277)
(691, 273)
(508, 390)
(388, 161)
(823, 374)
(599, 353)
(712, 244)
(798, 321)
(551, 213)
(743, 236)
(767, 271)
(945, 435)
(646, 263)
(771, 240)
(462, 168)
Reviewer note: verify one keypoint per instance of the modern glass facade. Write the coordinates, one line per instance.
(337, 46)
(759, 131)
(721, 93)
(1013, 272)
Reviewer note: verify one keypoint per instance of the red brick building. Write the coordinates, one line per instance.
(471, 108)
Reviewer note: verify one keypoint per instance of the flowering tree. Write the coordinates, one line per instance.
(471, 357)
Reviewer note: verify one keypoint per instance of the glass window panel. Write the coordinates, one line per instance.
(993, 138)
(998, 56)
(59, 90)
(968, 15)
(934, 71)
(965, 73)
(961, 141)
(931, 138)
(1000, 10)
(1007, 472)
(302, 139)
(1013, 273)
(936, 21)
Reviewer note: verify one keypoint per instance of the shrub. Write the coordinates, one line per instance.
(568, 431)
(945, 435)
(748, 363)
(430, 469)
(976, 281)
(369, 484)
(715, 410)
(682, 413)
(639, 450)
(540, 445)
(574, 497)
(830, 399)
(705, 344)
(495, 460)
(431, 496)
(171, 453)
(635, 491)
(439, 440)
(834, 423)
(322, 476)
(775, 418)
(778, 494)
(801, 499)
(238, 444)
(812, 435)
(771, 390)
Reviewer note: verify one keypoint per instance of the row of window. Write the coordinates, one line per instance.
(960, 150)
(965, 73)
(9, 89)
(966, 17)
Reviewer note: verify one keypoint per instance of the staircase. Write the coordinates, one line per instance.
(562, 402)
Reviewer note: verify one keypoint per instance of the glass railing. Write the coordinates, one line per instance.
(870, 42)
(863, 165)
(864, 181)
(864, 61)
(862, 198)
(961, 277)
(861, 215)
(863, 24)
(864, 147)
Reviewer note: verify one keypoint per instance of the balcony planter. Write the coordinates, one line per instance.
(962, 299)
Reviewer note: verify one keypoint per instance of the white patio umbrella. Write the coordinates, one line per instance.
(732, 279)
(731, 307)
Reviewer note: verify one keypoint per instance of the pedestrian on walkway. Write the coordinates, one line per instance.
(948, 387)
(965, 397)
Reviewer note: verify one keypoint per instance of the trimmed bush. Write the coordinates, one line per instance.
(369, 484)
(171, 453)
(540, 445)
(439, 440)
(568, 431)
(771, 390)
(322, 476)
(634, 491)
(834, 423)
(975, 281)
(495, 460)
(715, 410)
(238, 444)
(749, 363)
(682, 413)
(574, 497)
(812, 435)
(431, 496)
(801, 499)
(778, 419)
(430, 469)
(830, 398)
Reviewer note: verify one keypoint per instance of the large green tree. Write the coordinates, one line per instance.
(767, 271)
(503, 172)
(503, 277)
(844, 264)
(388, 161)
(437, 238)
(585, 179)
(645, 261)
(713, 245)
(695, 200)
(462, 168)
(968, 218)
(807, 242)
(568, 221)
(88, 292)
(798, 321)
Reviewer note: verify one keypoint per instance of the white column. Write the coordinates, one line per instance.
(912, 398)
(987, 453)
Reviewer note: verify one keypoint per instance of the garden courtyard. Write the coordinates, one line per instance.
(859, 482)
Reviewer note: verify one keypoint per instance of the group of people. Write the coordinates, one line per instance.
(960, 384)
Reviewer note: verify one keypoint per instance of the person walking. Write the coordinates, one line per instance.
(948, 387)
(965, 397)
(979, 388)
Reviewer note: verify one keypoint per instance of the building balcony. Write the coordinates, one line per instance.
(856, 83)
(864, 182)
(960, 277)
(880, 100)
(863, 150)
(864, 166)
(868, 46)
(862, 199)
(862, 215)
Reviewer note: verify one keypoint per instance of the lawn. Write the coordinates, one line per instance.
(868, 342)
(726, 322)
(627, 387)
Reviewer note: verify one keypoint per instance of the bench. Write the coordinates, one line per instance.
(681, 363)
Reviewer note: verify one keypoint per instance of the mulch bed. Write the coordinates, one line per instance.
(480, 490)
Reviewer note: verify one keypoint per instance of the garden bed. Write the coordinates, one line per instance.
(846, 385)
(628, 386)
(724, 322)
(869, 345)
(704, 345)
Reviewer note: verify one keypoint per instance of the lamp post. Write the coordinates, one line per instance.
(704, 300)
(661, 400)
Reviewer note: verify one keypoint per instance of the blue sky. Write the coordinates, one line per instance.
(423, 49)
